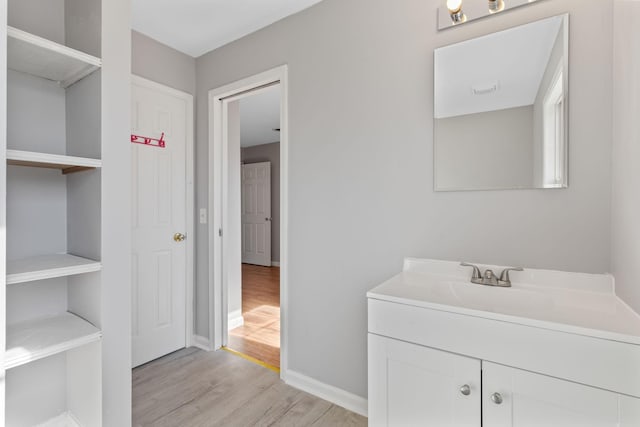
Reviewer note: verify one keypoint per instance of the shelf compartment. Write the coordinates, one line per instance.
(66, 419)
(48, 267)
(40, 57)
(67, 164)
(36, 339)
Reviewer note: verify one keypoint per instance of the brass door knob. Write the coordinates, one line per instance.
(179, 237)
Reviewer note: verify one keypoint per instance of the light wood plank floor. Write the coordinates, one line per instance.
(196, 388)
(259, 337)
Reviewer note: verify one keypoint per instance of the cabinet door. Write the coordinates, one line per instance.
(411, 385)
(516, 398)
(629, 411)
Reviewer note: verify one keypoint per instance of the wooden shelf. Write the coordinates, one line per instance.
(67, 164)
(40, 57)
(36, 339)
(47, 267)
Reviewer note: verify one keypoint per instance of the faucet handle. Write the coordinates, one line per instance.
(504, 276)
(476, 271)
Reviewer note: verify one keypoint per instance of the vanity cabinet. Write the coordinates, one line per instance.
(529, 400)
(443, 352)
(413, 385)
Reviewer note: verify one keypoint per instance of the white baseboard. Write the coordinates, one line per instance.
(201, 342)
(342, 398)
(235, 320)
(63, 420)
(275, 263)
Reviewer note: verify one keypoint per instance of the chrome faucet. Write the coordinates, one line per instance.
(489, 278)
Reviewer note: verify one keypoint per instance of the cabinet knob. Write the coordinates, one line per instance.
(465, 390)
(496, 398)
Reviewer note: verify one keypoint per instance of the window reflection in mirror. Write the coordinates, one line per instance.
(500, 113)
(554, 143)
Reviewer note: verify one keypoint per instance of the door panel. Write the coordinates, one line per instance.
(534, 400)
(629, 411)
(256, 213)
(411, 385)
(159, 211)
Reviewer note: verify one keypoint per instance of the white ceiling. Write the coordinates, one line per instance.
(196, 27)
(515, 59)
(259, 115)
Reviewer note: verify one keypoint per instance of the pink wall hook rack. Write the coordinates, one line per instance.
(145, 140)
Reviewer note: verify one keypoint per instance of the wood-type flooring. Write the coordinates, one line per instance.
(259, 337)
(194, 388)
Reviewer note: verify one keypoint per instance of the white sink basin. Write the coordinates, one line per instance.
(572, 302)
(513, 300)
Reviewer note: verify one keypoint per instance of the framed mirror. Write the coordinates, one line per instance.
(501, 109)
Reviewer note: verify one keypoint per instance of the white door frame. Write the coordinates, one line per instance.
(190, 206)
(218, 201)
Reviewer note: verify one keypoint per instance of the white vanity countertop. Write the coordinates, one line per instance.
(576, 303)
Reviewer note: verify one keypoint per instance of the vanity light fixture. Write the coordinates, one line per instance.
(451, 14)
(455, 10)
(496, 6)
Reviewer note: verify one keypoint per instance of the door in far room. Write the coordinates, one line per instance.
(159, 217)
(256, 214)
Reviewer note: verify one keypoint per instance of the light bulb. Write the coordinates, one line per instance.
(496, 6)
(454, 6)
(455, 10)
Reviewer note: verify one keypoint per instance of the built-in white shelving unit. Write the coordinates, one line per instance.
(48, 267)
(40, 57)
(54, 220)
(67, 164)
(33, 340)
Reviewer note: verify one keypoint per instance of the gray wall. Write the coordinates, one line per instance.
(47, 22)
(361, 177)
(486, 150)
(625, 251)
(158, 62)
(36, 199)
(83, 25)
(269, 153)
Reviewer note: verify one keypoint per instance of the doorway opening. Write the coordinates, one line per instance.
(253, 298)
(248, 214)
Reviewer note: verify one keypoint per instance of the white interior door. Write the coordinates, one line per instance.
(159, 223)
(256, 213)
